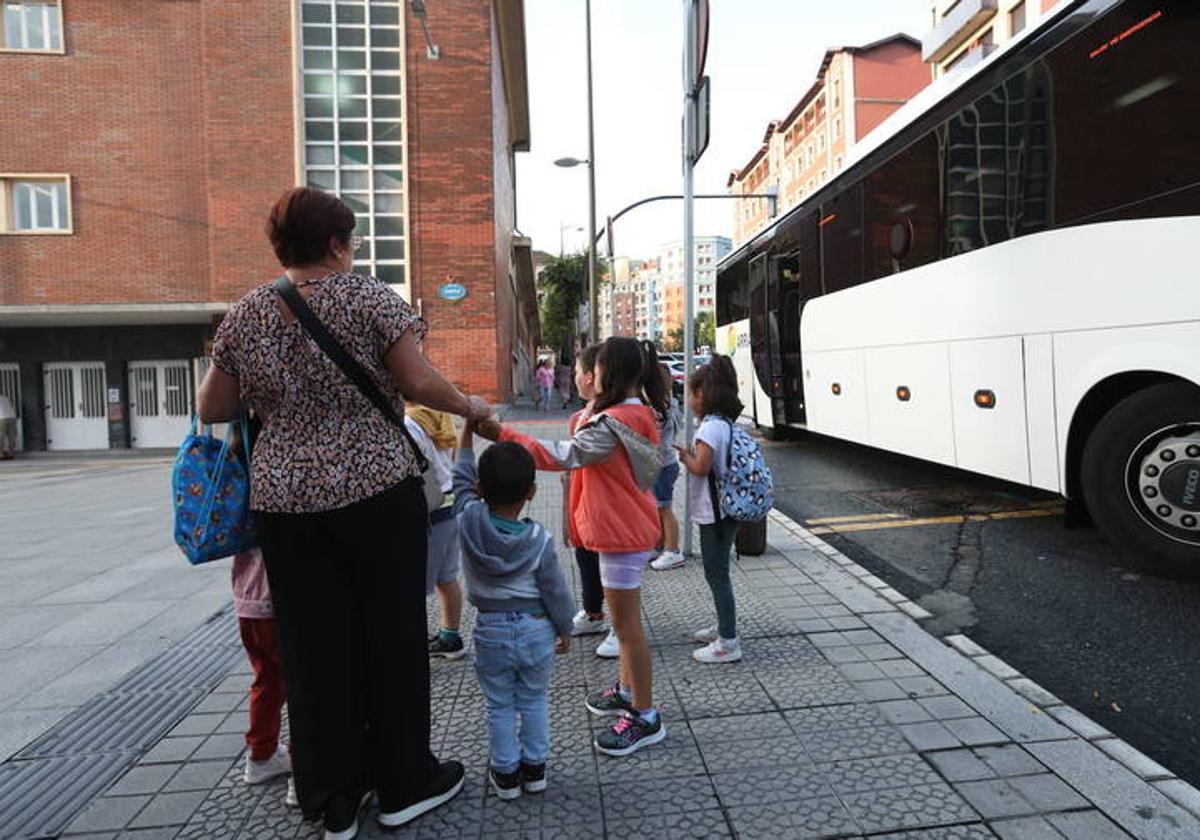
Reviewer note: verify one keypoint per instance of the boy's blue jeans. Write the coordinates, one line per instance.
(514, 657)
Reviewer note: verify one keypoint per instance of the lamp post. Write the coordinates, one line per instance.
(593, 314)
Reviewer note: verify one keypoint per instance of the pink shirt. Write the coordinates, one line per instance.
(251, 592)
(545, 377)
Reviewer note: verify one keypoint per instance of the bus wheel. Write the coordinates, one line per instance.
(1141, 476)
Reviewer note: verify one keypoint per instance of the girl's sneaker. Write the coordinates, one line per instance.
(257, 772)
(609, 702)
(706, 635)
(667, 560)
(610, 648)
(630, 734)
(584, 625)
(533, 777)
(718, 650)
(506, 785)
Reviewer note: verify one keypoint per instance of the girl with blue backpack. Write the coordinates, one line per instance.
(728, 483)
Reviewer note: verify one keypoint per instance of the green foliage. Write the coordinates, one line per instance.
(673, 343)
(706, 330)
(565, 283)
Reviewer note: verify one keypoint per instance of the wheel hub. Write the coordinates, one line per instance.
(1168, 481)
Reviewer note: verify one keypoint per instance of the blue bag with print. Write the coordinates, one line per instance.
(211, 489)
(745, 491)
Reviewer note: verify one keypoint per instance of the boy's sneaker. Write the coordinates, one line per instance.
(706, 635)
(447, 647)
(446, 783)
(257, 772)
(584, 625)
(291, 798)
(533, 777)
(609, 702)
(667, 560)
(506, 785)
(718, 650)
(630, 734)
(610, 648)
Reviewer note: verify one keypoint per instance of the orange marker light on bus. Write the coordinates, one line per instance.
(985, 398)
(831, 217)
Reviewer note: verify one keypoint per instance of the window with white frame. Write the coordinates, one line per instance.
(352, 63)
(35, 204)
(34, 25)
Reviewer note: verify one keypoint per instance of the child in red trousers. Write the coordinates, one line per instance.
(267, 758)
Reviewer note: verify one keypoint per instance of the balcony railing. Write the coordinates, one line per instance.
(964, 20)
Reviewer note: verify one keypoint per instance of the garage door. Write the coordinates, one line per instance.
(75, 408)
(160, 403)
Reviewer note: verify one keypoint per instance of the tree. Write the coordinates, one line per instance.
(565, 283)
(706, 330)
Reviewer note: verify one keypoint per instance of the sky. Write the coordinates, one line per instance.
(763, 55)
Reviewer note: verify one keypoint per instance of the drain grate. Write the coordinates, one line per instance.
(40, 798)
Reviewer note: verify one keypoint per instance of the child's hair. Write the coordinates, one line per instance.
(587, 358)
(657, 385)
(717, 385)
(624, 363)
(506, 472)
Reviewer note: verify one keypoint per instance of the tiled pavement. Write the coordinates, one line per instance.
(844, 720)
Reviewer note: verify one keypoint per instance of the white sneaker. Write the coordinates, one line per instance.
(584, 625)
(610, 648)
(708, 634)
(291, 798)
(717, 651)
(277, 765)
(667, 560)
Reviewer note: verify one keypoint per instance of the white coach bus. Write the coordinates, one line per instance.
(1006, 277)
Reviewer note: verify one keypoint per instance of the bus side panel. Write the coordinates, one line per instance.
(836, 392)
(920, 424)
(990, 435)
(1084, 359)
(1039, 412)
(734, 341)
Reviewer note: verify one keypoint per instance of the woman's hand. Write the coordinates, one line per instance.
(480, 410)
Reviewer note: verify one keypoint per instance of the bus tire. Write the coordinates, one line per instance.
(1140, 476)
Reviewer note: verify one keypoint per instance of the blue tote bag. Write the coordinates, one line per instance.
(211, 489)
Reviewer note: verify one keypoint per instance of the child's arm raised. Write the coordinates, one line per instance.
(465, 471)
(591, 444)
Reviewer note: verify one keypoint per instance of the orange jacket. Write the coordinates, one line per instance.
(609, 512)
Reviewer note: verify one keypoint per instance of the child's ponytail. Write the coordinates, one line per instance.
(657, 383)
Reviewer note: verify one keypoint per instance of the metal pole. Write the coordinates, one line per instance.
(593, 281)
(689, 249)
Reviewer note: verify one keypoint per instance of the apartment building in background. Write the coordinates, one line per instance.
(856, 89)
(144, 142)
(710, 250)
(967, 31)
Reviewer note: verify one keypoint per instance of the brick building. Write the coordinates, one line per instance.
(144, 142)
(855, 90)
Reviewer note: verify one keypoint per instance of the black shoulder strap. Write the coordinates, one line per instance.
(350, 366)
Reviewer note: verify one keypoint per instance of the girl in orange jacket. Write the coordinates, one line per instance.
(615, 452)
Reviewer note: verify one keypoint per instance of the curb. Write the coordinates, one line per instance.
(1145, 768)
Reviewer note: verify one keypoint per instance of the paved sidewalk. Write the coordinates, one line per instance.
(845, 719)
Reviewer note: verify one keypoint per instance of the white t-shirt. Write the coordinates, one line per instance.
(441, 461)
(714, 431)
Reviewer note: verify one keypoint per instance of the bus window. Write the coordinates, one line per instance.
(733, 301)
(1126, 110)
(760, 349)
(842, 240)
(902, 210)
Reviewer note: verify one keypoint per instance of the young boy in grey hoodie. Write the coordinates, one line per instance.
(525, 608)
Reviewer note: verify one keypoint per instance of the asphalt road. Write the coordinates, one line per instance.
(1100, 630)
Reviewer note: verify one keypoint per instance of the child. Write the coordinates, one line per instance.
(590, 620)
(664, 487)
(545, 384)
(616, 453)
(267, 758)
(525, 609)
(562, 377)
(714, 399)
(434, 433)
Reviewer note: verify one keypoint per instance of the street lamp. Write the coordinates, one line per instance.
(568, 163)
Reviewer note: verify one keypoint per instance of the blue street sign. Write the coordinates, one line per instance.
(452, 291)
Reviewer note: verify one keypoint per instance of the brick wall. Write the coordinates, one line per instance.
(149, 126)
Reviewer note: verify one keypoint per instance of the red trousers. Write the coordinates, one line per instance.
(267, 693)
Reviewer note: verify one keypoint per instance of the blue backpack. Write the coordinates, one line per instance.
(745, 492)
(211, 489)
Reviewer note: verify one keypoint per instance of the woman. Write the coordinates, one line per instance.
(342, 518)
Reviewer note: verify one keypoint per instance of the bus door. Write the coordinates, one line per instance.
(784, 300)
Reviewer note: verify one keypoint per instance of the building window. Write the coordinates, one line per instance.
(34, 25)
(352, 63)
(35, 204)
(1016, 18)
(837, 126)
